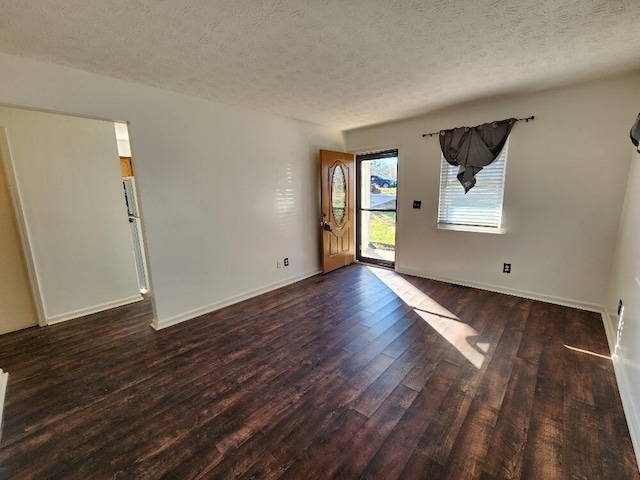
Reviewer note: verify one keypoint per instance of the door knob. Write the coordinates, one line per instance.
(327, 226)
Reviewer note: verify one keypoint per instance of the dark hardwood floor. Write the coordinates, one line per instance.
(360, 374)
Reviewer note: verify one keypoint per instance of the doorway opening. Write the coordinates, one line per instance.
(77, 250)
(377, 185)
(131, 200)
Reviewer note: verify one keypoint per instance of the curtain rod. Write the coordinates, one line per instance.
(517, 120)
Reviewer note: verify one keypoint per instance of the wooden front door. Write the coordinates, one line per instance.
(337, 181)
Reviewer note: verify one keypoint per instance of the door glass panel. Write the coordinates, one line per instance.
(378, 235)
(380, 192)
(378, 184)
(338, 195)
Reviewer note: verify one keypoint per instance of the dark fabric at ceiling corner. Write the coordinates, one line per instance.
(472, 148)
(635, 133)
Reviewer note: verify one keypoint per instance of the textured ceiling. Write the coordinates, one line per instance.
(343, 63)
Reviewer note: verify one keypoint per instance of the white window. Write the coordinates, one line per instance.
(480, 210)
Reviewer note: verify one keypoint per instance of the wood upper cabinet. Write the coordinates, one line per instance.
(125, 167)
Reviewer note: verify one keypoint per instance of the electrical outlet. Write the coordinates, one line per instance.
(278, 264)
(620, 307)
(506, 268)
(417, 204)
(286, 262)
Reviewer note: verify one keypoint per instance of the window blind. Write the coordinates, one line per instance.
(482, 206)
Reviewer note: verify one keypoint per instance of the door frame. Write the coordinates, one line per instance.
(6, 162)
(386, 152)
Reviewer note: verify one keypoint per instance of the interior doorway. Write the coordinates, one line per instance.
(17, 305)
(131, 200)
(376, 207)
(69, 207)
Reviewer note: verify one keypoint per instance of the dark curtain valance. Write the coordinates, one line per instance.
(635, 133)
(472, 148)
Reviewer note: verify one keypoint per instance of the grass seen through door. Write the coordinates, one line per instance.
(382, 225)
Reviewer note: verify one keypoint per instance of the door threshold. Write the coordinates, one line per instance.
(386, 266)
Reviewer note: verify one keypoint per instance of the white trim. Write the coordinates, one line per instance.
(628, 402)
(6, 159)
(4, 378)
(566, 302)
(191, 314)
(63, 317)
(609, 330)
(470, 228)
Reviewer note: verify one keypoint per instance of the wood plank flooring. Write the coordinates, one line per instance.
(359, 374)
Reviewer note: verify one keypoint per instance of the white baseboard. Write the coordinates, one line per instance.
(566, 302)
(629, 405)
(191, 314)
(63, 317)
(4, 378)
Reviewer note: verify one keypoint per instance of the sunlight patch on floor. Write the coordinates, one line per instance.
(412, 296)
(457, 334)
(588, 352)
(448, 325)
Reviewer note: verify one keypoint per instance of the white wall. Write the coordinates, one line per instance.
(68, 177)
(624, 333)
(224, 191)
(565, 182)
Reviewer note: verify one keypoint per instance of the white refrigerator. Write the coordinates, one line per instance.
(130, 196)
